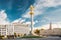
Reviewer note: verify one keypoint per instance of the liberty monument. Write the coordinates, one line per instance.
(31, 14)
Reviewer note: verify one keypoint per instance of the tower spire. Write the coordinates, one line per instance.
(50, 28)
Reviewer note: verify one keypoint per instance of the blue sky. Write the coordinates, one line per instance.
(45, 11)
(15, 8)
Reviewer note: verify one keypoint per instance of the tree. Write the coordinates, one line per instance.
(37, 31)
(18, 35)
(24, 34)
(15, 34)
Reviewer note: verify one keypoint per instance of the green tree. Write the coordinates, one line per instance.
(18, 35)
(37, 31)
(15, 34)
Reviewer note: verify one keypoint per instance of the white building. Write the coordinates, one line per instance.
(3, 30)
(10, 29)
(21, 28)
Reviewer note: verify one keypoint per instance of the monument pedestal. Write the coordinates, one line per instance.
(30, 34)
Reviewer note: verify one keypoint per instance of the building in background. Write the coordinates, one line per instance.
(50, 31)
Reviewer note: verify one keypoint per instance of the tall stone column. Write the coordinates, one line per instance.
(31, 14)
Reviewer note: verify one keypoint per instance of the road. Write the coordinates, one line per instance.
(48, 38)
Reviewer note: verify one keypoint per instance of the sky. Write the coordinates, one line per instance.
(45, 11)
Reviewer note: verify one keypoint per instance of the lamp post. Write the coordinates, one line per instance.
(31, 14)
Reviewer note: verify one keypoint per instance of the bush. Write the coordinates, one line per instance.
(32, 37)
(1, 36)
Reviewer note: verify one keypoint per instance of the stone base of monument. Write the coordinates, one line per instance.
(30, 34)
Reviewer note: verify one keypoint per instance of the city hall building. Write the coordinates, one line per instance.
(10, 29)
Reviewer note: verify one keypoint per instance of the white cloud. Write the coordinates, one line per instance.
(48, 3)
(36, 21)
(29, 22)
(26, 15)
(3, 17)
(19, 20)
(43, 20)
(56, 25)
(54, 16)
(40, 4)
(36, 12)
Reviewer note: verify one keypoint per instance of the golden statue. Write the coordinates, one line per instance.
(31, 10)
